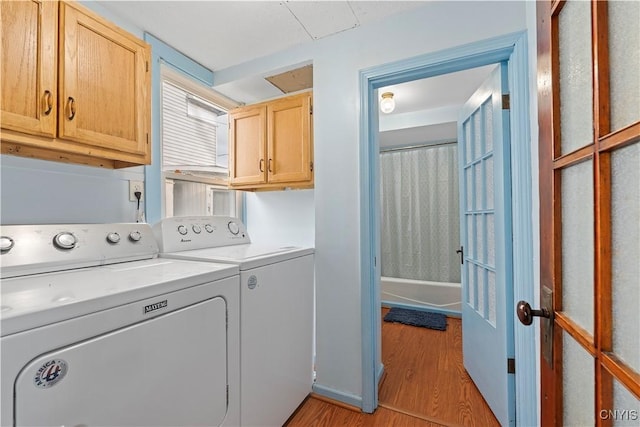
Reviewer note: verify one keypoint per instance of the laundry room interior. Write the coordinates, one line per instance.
(318, 212)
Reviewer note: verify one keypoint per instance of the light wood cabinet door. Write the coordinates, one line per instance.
(247, 137)
(104, 84)
(288, 140)
(28, 71)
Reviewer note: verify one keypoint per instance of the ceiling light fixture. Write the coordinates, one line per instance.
(387, 104)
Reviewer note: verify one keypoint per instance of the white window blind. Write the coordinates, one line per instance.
(190, 129)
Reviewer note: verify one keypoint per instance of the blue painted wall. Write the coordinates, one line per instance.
(337, 61)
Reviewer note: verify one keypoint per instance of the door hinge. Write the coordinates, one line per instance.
(310, 109)
(511, 366)
(506, 102)
(311, 166)
(147, 138)
(147, 65)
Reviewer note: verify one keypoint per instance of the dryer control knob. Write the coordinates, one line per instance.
(135, 236)
(113, 238)
(65, 240)
(182, 229)
(6, 243)
(196, 229)
(233, 227)
(209, 228)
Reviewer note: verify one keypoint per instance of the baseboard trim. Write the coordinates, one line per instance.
(336, 396)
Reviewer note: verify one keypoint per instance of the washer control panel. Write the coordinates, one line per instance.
(198, 232)
(32, 249)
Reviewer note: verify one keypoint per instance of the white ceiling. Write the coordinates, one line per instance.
(220, 34)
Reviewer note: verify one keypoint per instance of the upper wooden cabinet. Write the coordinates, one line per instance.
(29, 69)
(85, 83)
(271, 144)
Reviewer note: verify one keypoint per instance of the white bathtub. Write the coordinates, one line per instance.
(433, 296)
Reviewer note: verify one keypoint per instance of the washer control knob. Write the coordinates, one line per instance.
(196, 229)
(65, 240)
(209, 228)
(6, 243)
(182, 229)
(233, 228)
(113, 238)
(135, 236)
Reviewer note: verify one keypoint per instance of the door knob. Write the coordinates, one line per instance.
(526, 313)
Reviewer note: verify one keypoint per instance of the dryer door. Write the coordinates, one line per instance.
(167, 371)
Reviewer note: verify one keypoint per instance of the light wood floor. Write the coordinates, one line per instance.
(425, 385)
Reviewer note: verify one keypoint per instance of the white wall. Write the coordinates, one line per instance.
(337, 61)
(281, 217)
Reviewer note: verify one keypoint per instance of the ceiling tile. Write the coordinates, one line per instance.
(323, 18)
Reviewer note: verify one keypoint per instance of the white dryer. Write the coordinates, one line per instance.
(276, 310)
(96, 330)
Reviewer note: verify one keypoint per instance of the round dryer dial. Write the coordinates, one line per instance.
(182, 229)
(209, 228)
(196, 229)
(233, 227)
(6, 243)
(113, 238)
(135, 236)
(65, 240)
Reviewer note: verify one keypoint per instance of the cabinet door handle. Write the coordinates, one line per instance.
(48, 102)
(270, 169)
(72, 108)
(261, 165)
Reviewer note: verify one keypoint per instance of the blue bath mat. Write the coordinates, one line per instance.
(425, 319)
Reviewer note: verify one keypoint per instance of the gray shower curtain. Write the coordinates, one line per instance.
(420, 222)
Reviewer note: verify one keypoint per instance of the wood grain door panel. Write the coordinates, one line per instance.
(247, 160)
(103, 84)
(288, 141)
(29, 88)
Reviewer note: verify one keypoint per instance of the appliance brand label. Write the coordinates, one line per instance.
(50, 373)
(155, 306)
(185, 240)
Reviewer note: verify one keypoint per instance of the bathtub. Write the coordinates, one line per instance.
(440, 297)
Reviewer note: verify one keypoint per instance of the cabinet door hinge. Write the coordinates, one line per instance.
(310, 109)
(506, 102)
(148, 138)
(511, 366)
(311, 166)
(147, 65)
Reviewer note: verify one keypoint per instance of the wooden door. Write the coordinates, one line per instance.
(289, 139)
(29, 31)
(485, 230)
(104, 84)
(247, 144)
(589, 117)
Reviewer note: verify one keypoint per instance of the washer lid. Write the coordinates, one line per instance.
(32, 301)
(247, 256)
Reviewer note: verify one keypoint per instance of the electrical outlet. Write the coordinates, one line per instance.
(133, 187)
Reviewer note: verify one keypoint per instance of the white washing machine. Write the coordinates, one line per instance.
(276, 310)
(96, 330)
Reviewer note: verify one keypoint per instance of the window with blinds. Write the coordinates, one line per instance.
(194, 132)
(194, 148)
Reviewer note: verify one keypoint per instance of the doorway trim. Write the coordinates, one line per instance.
(513, 49)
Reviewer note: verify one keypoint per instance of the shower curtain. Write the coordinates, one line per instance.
(420, 222)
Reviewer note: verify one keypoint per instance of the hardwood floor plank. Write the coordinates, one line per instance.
(317, 413)
(425, 375)
(425, 385)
